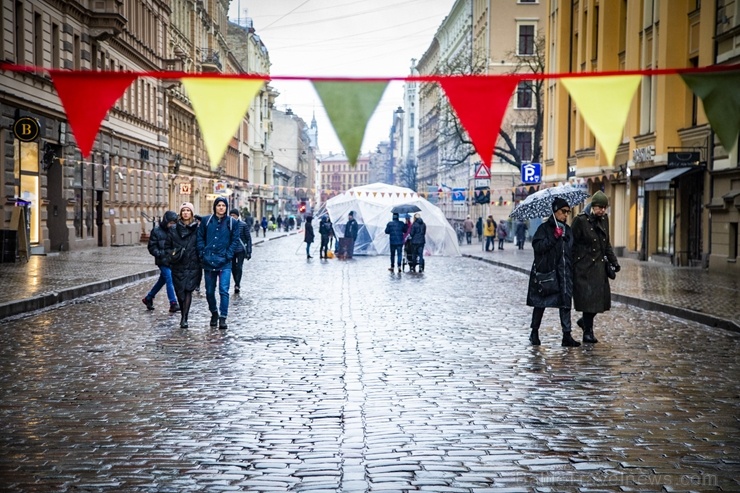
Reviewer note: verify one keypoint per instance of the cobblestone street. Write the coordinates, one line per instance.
(339, 376)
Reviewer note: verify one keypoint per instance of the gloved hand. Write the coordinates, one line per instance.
(249, 256)
(558, 233)
(617, 267)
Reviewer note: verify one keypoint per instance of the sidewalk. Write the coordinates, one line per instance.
(46, 280)
(694, 294)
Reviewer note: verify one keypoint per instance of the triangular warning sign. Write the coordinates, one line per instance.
(483, 172)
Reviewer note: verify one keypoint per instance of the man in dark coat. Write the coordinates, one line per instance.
(218, 237)
(418, 239)
(156, 247)
(552, 243)
(351, 229)
(592, 254)
(326, 231)
(395, 229)
(243, 250)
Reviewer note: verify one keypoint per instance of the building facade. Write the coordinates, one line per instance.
(338, 176)
(149, 155)
(664, 207)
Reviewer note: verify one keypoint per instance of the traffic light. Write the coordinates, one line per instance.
(302, 207)
(482, 195)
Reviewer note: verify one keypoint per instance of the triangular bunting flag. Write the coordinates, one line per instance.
(220, 105)
(350, 105)
(480, 103)
(721, 98)
(86, 100)
(604, 103)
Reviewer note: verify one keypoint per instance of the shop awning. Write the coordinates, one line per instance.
(662, 181)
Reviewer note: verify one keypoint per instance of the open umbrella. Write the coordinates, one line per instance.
(405, 209)
(539, 204)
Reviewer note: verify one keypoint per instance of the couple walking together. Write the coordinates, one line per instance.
(572, 266)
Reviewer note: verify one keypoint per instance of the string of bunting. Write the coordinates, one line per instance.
(220, 102)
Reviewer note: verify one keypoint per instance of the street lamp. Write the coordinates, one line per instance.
(397, 115)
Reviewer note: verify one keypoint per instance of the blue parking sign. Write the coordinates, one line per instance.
(531, 173)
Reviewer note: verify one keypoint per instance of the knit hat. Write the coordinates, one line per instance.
(234, 212)
(600, 199)
(559, 203)
(187, 205)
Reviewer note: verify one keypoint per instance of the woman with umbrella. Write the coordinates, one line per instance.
(551, 278)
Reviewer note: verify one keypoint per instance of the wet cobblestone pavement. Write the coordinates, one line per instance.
(340, 376)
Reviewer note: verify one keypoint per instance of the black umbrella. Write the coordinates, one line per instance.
(405, 209)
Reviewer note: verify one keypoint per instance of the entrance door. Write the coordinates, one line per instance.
(56, 209)
(695, 187)
(99, 215)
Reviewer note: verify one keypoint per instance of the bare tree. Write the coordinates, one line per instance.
(455, 143)
(407, 173)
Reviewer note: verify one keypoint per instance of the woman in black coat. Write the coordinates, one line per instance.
(592, 254)
(308, 236)
(187, 270)
(552, 243)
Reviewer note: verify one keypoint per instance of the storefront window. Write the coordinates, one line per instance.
(26, 171)
(666, 217)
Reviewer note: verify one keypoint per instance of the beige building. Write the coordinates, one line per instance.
(148, 155)
(78, 202)
(660, 198)
(338, 176)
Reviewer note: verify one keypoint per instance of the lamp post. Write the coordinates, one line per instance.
(397, 115)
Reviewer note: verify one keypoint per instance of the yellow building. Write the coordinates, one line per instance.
(667, 167)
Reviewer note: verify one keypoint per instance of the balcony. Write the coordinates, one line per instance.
(210, 61)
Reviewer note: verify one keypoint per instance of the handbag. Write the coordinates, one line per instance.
(611, 273)
(176, 255)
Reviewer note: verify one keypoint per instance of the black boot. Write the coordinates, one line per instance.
(534, 337)
(588, 332)
(568, 340)
(183, 321)
(214, 319)
(222, 323)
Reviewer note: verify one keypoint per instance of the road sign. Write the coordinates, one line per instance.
(531, 173)
(482, 183)
(482, 171)
(458, 195)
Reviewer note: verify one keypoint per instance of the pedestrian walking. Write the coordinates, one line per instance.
(263, 224)
(308, 235)
(468, 227)
(351, 229)
(326, 231)
(395, 230)
(551, 278)
(418, 240)
(489, 232)
(520, 233)
(157, 247)
(243, 250)
(186, 267)
(502, 232)
(280, 222)
(479, 229)
(593, 257)
(256, 228)
(218, 237)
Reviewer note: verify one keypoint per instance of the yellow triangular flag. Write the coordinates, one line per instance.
(220, 105)
(604, 103)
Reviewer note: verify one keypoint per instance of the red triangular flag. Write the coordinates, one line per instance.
(86, 98)
(480, 103)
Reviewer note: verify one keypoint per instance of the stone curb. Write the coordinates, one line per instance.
(17, 307)
(702, 318)
(45, 300)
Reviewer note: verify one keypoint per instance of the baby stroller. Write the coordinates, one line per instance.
(409, 256)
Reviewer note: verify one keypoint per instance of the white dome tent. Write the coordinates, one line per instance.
(372, 206)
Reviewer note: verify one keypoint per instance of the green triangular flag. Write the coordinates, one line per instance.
(719, 93)
(349, 106)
